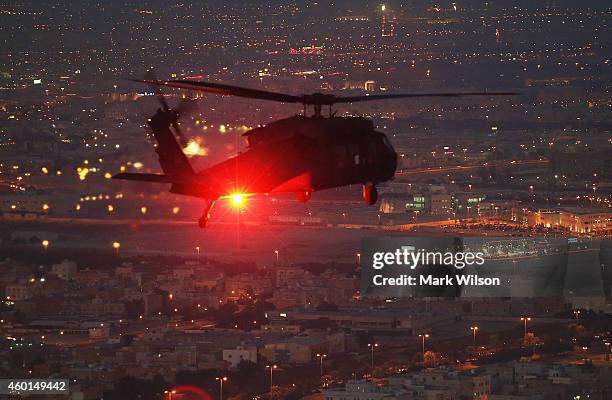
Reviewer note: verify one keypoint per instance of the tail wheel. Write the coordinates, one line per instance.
(303, 196)
(203, 221)
(370, 194)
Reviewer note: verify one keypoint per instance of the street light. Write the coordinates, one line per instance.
(423, 337)
(221, 379)
(525, 319)
(198, 255)
(272, 368)
(359, 259)
(45, 244)
(116, 246)
(276, 254)
(321, 357)
(372, 346)
(474, 329)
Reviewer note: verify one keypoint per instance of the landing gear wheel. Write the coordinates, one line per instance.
(203, 221)
(370, 194)
(303, 196)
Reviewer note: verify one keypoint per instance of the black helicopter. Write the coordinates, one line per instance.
(300, 154)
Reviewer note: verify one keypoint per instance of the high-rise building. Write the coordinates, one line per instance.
(387, 28)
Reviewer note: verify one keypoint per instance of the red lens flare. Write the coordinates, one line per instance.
(186, 392)
(238, 200)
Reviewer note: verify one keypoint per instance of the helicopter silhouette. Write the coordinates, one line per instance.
(301, 154)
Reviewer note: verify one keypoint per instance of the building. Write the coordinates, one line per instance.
(99, 332)
(361, 390)
(429, 384)
(66, 270)
(302, 349)
(467, 203)
(289, 275)
(238, 354)
(17, 292)
(379, 320)
(579, 220)
(440, 204)
(248, 283)
(467, 385)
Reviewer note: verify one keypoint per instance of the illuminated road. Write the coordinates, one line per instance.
(466, 168)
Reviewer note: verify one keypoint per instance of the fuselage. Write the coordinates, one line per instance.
(303, 154)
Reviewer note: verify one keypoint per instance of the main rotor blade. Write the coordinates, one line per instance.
(219, 88)
(352, 99)
(312, 99)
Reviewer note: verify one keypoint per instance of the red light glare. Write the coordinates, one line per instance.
(238, 200)
(186, 392)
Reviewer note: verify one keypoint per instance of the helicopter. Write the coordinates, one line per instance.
(301, 154)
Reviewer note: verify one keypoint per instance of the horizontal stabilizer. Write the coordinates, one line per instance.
(160, 178)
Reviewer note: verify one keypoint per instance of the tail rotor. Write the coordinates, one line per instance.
(151, 77)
